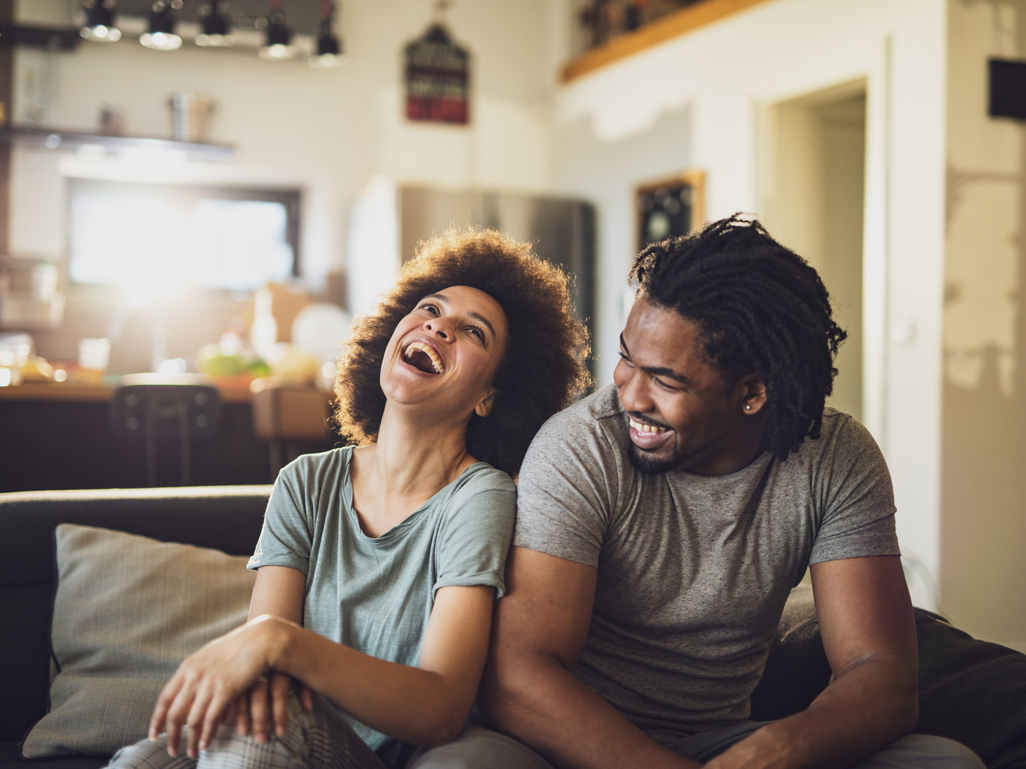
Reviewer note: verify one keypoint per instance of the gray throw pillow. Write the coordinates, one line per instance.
(127, 610)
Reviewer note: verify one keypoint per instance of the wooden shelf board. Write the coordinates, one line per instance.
(659, 31)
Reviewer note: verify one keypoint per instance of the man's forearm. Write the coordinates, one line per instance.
(547, 708)
(860, 712)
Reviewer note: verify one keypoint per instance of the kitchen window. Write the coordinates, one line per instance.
(150, 237)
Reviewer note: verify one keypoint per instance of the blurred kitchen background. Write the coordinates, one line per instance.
(225, 210)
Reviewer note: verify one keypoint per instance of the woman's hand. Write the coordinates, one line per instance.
(268, 697)
(209, 681)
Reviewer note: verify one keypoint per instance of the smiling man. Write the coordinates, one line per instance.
(663, 521)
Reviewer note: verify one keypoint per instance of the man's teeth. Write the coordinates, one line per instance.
(643, 428)
(436, 362)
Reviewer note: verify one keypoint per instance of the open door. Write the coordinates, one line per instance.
(812, 183)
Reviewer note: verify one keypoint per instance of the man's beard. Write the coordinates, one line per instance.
(651, 465)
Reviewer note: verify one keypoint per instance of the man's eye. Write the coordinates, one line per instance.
(625, 357)
(429, 307)
(477, 332)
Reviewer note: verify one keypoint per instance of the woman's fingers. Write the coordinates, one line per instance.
(176, 719)
(196, 721)
(242, 714)
(306, 698)
(280, 684)
(220, 700)
(164, 700)
(258, 710)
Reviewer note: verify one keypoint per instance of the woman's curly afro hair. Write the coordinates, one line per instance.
(761, 309)
(542, 370)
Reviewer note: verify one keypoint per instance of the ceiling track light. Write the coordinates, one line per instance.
(329, 45)
(278, 43)
(161, 34)
(99, 22)
(215, 26)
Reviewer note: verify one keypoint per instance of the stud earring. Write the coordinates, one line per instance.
(748, 408)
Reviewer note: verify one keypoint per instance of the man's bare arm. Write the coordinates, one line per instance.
(529, 691)
(868, 631)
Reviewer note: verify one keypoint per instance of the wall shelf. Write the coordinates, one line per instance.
(672, 25)
(65, 139)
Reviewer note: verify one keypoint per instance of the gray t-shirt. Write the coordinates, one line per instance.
(376, 594)
(693, 571)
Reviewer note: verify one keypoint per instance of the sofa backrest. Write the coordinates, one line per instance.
(227, 518)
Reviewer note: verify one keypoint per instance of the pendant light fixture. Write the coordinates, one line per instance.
(215, 26)
(99, 22)
(278, 43)
(329, 45)
(161, 34)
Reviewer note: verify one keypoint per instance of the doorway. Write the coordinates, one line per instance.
(812, 184)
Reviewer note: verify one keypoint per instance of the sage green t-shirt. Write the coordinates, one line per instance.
(376, 594)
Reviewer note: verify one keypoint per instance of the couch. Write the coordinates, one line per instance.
(970, 690)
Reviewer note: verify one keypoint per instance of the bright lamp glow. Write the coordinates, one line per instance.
(161, 41)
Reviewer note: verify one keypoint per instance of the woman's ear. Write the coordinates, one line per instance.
(485, 405)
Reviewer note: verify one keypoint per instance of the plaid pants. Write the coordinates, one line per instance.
(315, 740)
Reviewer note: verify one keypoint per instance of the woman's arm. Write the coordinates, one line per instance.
(279, 591)
(425, 705)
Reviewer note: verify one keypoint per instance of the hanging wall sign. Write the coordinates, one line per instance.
(437, 79)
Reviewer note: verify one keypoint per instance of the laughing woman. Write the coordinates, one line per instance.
(378, 564)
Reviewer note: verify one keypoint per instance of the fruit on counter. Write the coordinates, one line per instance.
(212, 362)
(36, 370)
(258, 368)
(289, 362)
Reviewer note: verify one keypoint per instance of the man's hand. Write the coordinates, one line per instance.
(266, 703)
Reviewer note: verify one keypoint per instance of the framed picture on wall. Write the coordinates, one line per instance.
(669, 207)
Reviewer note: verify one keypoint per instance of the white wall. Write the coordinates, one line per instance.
(984, 438)
(693, 102)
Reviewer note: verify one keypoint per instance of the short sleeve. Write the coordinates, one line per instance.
(476, 533)
(565, 492)
(285, 538)
(858, 498)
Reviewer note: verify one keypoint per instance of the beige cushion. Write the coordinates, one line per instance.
(127, 610)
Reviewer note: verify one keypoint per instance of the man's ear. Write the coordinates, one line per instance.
(753, 394)
(485, 405)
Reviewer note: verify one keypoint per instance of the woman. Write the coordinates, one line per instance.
(378, 565)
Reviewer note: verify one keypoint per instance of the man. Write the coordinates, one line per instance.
(662, 523)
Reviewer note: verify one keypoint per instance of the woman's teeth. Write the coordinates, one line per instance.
(643, 428)
(436, 362)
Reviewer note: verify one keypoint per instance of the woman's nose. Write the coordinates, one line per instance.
(440, 326)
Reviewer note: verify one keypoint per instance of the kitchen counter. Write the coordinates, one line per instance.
(59, 391)
(60, 436)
